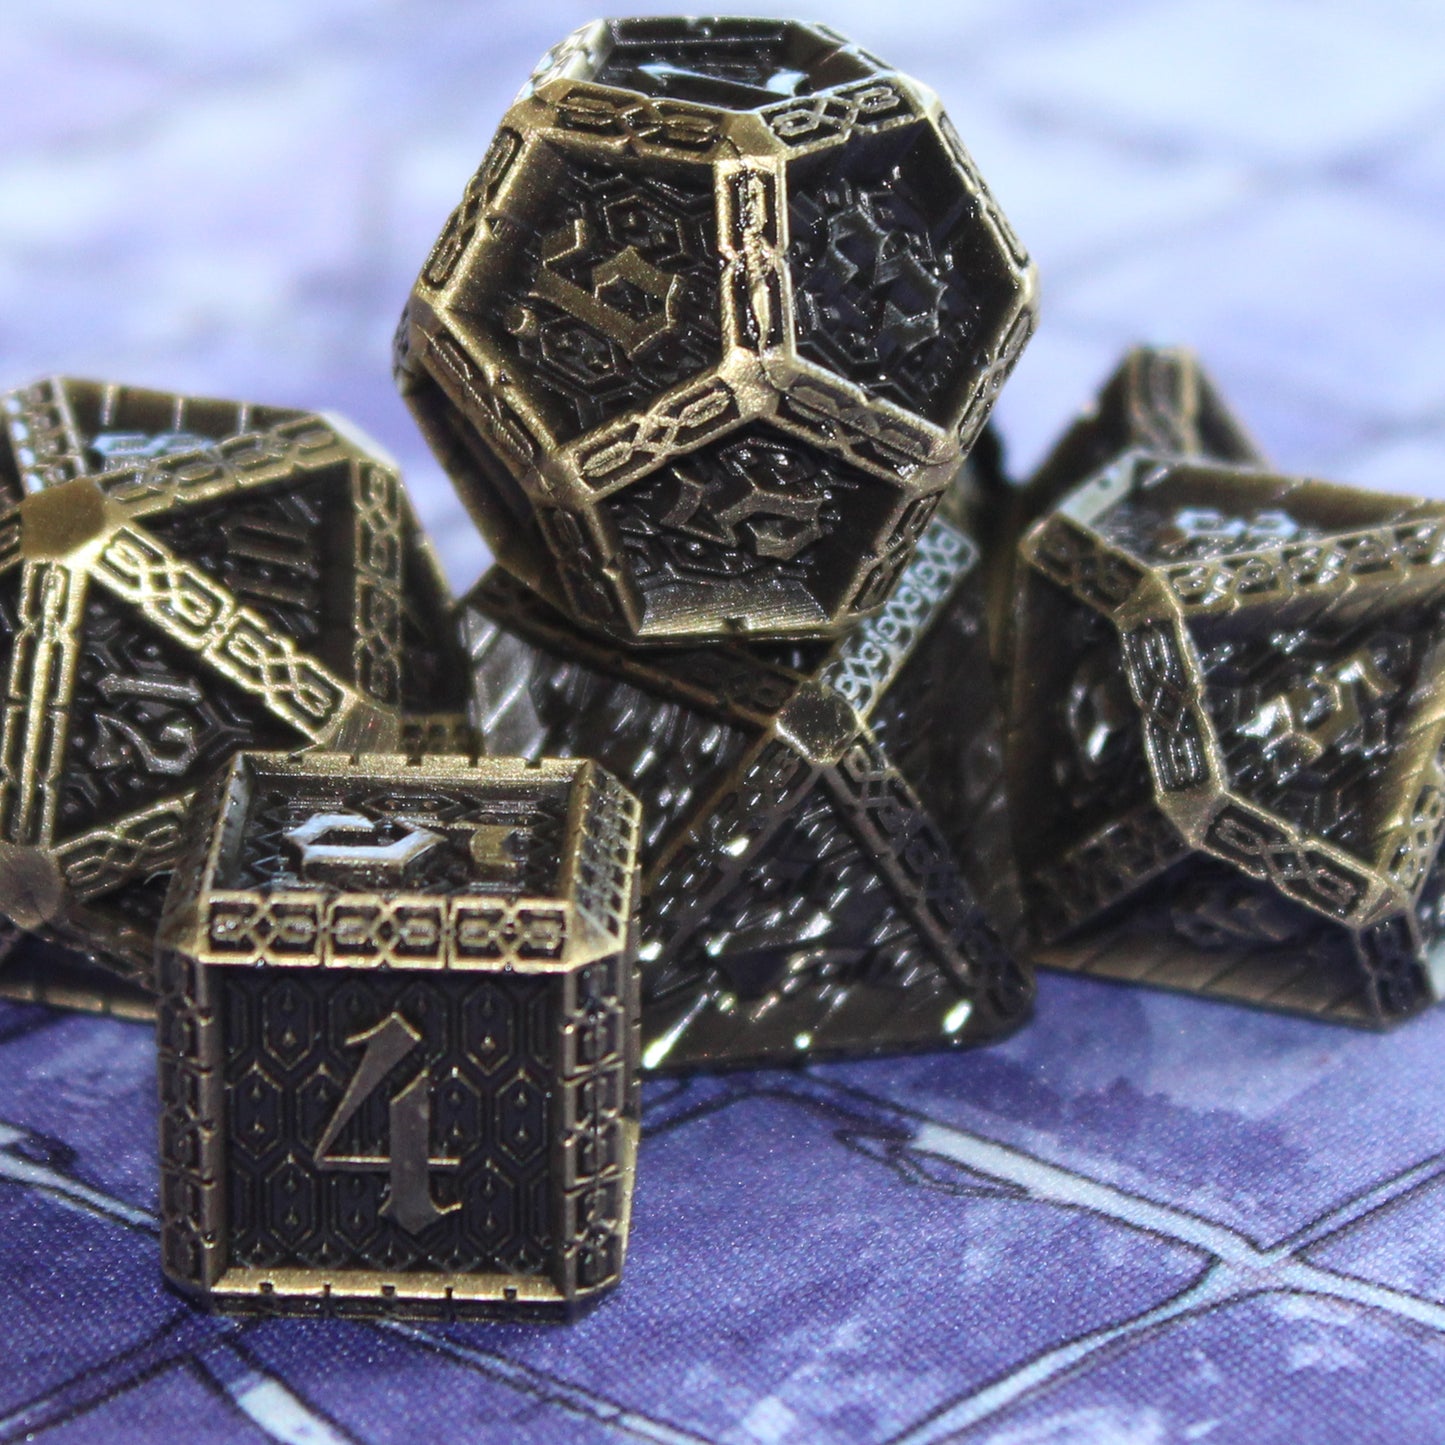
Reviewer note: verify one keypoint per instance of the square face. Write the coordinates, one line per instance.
(361, 834)
(398, 1036)
(386, 1122)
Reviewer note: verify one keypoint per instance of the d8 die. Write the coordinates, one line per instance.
(1227, 745)
(825, 856)
(180, 578)
(712, 328)
(397, 1036)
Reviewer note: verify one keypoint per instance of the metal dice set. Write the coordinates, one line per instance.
(784, 727)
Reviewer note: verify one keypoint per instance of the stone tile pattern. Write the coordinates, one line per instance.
(1144, 1218)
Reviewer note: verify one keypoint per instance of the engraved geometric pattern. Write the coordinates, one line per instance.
(452, 1130)
(1284, 691)
(896, 287)
(145, 722)
(753, 520)
(713, 278)
(1145, 1218)
(799, 897)
(186, 576)
(485, 1046)
(611, 265)
(528, 825)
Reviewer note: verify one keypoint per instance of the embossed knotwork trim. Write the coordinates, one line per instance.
(201, 615)
(42, 677)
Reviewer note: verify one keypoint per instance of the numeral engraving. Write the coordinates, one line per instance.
(409, 1164)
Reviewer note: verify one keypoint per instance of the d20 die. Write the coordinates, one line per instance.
(1227, 746)
(825, 855)
(398, 1037)
(713, 327)
(181, 578)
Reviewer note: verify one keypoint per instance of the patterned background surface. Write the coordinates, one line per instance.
(1143, 1219)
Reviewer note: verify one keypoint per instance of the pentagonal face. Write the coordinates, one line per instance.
(600, 285)
(724, 62)
(387, 1068)
(147, 719)
(1308, 717)
(900, 282)
(758, 528)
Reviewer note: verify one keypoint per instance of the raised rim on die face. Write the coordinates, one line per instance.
(525, 325)
(1207, 577)
(732, 63)
(572, 912)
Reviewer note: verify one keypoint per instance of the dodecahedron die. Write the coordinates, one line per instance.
(825, 854)
(712, 328)
(180, 578)
(1227, 746)
(398, 1037)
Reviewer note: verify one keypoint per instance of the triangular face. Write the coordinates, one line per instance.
(286, 552)
(122, 426)
(533, 702)
(1308, 718)
(1203, 927)
(147, 720)
(1076, 767)
(434, 677)
(811, 953)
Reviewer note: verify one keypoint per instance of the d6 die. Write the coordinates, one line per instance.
(712, 328)
(397, 1035)
(1227, 744)
(180, 578)
(826, 861)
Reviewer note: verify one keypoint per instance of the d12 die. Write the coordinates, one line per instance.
(1227, 746)
(180, 578)
(825, 856)
(398, 1037)
(713, 327)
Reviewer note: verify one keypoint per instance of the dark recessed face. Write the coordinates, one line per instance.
(899, 282)
(713, 328)
(434, 838)
(732, 64)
